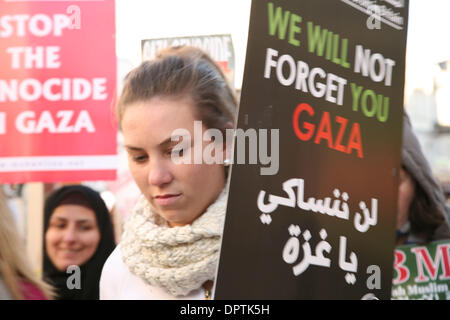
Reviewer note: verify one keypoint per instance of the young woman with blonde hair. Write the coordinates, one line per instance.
(19, 280)
(170, 247)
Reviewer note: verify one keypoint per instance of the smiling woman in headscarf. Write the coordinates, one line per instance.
(77, 231)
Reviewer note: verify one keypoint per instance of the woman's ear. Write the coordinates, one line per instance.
(229, 142)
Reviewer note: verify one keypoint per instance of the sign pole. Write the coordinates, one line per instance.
(35, 224)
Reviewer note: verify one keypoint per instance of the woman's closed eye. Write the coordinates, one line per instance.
(176, 152)
(179, 150)
(139, 158)
(86, 227)
(58, 225)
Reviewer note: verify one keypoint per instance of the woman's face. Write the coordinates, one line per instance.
(406, 192)
(72, 236)
(180, 193)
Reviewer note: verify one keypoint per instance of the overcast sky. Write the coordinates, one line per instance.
(428, 43)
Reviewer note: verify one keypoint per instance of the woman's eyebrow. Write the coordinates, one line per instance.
(58, 218)
(131, 148)
(165, 143)
(77, 221)
(81, 221)
(169, 141)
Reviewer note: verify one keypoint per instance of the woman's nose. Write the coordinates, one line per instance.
(159, 174)
(70, 234)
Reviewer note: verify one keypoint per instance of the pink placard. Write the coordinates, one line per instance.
(57, 79)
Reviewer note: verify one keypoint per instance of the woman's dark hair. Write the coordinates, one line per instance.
(424, 215)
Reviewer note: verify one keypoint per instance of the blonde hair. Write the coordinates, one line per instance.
(180, 71)
(14, 265)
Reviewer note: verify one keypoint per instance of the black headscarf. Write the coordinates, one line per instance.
(91, 270)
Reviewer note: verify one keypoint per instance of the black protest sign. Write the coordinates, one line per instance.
(323, 79)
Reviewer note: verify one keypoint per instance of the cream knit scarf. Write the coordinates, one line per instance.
(178, 259)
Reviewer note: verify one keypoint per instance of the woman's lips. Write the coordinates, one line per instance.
(166, 199)
(69, 254)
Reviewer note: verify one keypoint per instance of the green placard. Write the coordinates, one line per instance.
(422, 272)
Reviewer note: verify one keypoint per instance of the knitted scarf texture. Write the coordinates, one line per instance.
(177, 259)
